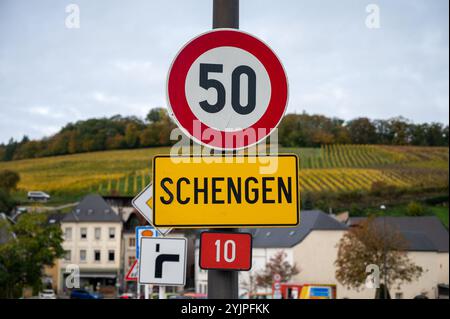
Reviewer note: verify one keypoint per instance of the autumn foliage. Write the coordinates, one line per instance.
(372, 242)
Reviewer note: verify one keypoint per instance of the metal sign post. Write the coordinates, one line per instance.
(147, 291)
(223, 284)
(162, 292)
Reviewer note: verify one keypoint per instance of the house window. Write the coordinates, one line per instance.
(83, 233)
(98, 233)
(399, 295)
(131, 260)
(132, 242)
(112, 233)
(111, 255)
(97, 255)
(82, 255)
(67, 255)
(68, 233)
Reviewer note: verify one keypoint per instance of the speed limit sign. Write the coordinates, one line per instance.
(227, 89)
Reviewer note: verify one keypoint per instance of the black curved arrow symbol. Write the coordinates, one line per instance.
(161, 259)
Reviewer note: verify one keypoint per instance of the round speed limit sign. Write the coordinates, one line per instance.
(227, 89)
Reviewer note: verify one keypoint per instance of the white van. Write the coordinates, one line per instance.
(38, 196)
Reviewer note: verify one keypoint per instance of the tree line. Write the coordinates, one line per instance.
(116, 132)
(295, 130)
(315, 130)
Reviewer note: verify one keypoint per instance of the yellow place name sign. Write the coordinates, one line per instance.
(239, 191)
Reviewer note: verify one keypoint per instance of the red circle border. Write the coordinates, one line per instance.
(232, 38)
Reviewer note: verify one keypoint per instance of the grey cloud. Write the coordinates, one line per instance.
(117, 61)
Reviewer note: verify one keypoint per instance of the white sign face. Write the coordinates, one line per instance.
(141, 203)
(163, 261)
(240, 71)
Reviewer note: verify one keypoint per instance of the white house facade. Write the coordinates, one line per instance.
(92, 242)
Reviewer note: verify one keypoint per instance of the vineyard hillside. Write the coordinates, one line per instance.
(331, 168)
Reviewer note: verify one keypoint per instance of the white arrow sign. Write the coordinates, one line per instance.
(143, 204)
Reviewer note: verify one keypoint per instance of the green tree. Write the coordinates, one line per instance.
(10, 149)
(9, 180)
(7, 203)
(116, 142)
(156, 114)
(29, 149)
(131, 135)
(73, 145)
(418, 134)
(35, 244)
(289, 130)
(383, 133)
(149, 136)
(2, 152)
(399, 130)
(370, 243)
(435, 135)
(59, 145)
(445, 136)
(362, 131)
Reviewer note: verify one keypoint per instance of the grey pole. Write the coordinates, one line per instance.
(226, 14)
(224, 284)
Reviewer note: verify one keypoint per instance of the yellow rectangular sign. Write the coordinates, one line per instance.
(239, 191)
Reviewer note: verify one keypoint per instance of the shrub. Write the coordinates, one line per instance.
(415, 209)
(356, 210)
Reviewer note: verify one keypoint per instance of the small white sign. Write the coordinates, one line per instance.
(163, 261)
(140, 202)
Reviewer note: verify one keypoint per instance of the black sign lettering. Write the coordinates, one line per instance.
(164, 187)
(221, 190)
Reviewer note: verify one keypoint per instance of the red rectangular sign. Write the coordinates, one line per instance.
(231, 251)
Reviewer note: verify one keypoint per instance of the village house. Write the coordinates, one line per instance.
(92, 241)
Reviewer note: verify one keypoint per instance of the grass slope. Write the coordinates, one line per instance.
(334, 168)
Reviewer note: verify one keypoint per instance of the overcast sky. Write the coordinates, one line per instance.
(116, 62)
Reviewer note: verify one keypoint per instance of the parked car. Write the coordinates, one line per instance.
(84, 294)
(38, 196)
(47, 294)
